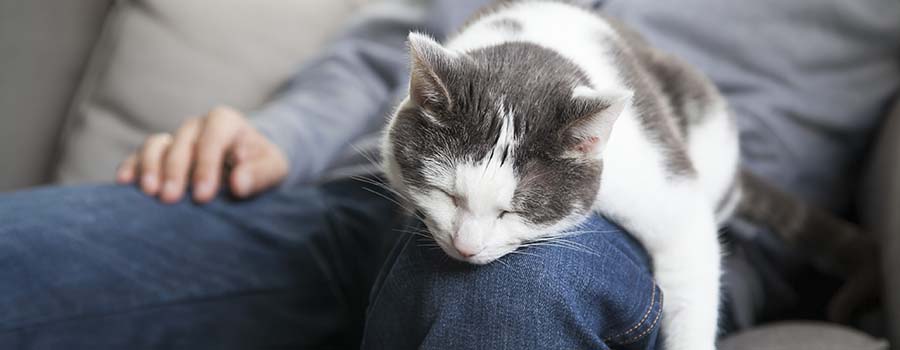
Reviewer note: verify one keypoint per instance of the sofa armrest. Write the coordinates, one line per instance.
(880, 211)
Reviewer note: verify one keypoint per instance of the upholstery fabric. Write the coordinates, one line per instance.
(802, 336)
(159, 62)
(43, 47)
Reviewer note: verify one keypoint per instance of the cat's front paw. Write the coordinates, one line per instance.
(691, 347)
(687, 344)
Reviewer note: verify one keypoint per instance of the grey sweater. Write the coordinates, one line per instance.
(807, 79)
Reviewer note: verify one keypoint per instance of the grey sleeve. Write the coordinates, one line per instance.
(340, 95)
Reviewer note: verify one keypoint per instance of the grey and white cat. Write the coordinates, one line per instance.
(538, 113)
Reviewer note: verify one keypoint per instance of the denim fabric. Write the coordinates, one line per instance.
(105, 267)
(589, 291)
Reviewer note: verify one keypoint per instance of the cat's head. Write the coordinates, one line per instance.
(499, 146)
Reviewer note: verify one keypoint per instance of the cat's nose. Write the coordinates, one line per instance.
(465, 249)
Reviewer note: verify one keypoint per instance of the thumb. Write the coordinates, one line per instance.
(255, 175)
(257, 165)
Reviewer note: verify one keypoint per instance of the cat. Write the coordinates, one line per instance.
(537, 114)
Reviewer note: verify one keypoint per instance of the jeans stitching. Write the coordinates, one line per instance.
(639, 323)
(655, 303)
(650, 328)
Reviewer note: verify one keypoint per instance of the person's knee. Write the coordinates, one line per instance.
(589, 288)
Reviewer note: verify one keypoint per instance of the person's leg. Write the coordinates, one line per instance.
(105, 267)
(589, 291)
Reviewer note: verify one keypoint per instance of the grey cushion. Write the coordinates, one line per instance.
(43, 47)
(802, 336)
(161, 61)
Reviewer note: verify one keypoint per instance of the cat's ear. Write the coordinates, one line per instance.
(431, 64)
(595, 112)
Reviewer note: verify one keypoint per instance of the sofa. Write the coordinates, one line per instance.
(83, 82)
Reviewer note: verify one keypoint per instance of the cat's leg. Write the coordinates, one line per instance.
(687, 267)
(680, 234)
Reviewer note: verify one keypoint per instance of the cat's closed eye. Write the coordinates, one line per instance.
(456, 200)
(506, 213)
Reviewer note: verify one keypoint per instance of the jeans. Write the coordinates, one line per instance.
(311, 267)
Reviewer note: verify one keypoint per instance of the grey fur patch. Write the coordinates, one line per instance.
(534, 83)
(633, 59)
(507, 24)
(688, 92)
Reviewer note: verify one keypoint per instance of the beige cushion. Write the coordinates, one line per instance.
(43, 47)
(161, 61)
(802, 336)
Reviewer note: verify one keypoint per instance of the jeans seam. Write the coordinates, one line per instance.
(639, 323)
(655, 301)
(378, 290)
(650, 328)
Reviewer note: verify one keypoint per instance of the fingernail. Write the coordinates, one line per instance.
(149, 181)
(170, 189)
(203, 189)
(244, 183)
(122, 176)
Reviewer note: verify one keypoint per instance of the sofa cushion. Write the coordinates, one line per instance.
(802, 336)
(159, 62)
(43, 48)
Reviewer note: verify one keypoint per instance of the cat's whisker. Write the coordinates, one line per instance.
(381, 185)
(392, 200)
(564, 244)
(504, 263)
(519, 252)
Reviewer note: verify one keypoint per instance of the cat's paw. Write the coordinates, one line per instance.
(685, 344)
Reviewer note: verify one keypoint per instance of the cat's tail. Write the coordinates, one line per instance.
(845, 247)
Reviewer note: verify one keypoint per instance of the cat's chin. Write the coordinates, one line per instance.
(480, 259)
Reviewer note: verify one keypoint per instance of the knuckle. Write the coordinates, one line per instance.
(188, 125)
(191, 121)
(160, 137)
(222, 114)
(149, 151)
(155, 141)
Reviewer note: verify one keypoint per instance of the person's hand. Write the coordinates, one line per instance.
(198, 153)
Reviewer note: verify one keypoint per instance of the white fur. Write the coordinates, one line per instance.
(673, 217)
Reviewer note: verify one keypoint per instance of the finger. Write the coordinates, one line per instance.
(243, 149)
(177, 162)
(219, 130)
(150, 162)
(254, 176)
(125, 173)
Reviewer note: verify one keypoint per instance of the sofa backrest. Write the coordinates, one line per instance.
(82, 83)
(43, 47)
